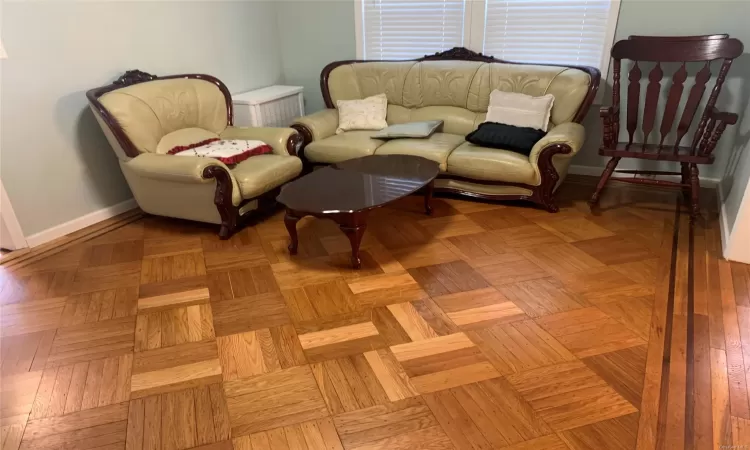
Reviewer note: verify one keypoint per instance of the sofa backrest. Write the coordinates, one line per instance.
(457, 91)
(137, 115)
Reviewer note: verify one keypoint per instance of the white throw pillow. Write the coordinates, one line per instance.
(520, 110)
(365, 114)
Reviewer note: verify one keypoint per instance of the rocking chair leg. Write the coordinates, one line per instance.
(685, 179)
(695, 187)
(611, 165)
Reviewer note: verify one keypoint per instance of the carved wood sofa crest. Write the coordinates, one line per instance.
(455, 86)
(144, 116)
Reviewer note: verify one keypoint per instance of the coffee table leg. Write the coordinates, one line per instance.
(290, 221)
(354, 233)
(428, 197)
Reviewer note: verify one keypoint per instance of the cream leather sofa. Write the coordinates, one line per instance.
(455, 86)
(144, 117)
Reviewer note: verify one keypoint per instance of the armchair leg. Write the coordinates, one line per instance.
(611, 166)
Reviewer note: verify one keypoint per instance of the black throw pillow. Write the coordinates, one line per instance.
(505, 137)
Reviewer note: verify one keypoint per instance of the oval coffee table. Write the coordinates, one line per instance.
(347, 191)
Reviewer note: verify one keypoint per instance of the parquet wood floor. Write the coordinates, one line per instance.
(486, 326)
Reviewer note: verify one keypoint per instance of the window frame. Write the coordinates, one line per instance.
(474, 23)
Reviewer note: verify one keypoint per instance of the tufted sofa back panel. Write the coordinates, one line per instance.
(464, 85)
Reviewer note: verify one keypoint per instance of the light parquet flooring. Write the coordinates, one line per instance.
(485, 326)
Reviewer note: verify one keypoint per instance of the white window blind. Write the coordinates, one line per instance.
(548, 31)
(407, 29)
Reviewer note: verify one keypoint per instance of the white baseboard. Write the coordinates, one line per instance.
(594, 171)
(79, 223)
(723, 224)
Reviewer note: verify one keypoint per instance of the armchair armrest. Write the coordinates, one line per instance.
(319, 125)
(284, 141)
(185, 170)
(566, 138)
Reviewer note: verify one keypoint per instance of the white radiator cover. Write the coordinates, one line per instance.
(273, 106)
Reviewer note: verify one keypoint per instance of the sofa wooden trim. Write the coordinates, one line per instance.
(542, 194)
(229, 213)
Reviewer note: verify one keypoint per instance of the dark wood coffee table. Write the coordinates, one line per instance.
(347, 191)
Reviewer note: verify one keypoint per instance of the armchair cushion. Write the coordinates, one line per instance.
(436, 147)
(262, 173)
(277, 138)
(183, 138)
(492, 164)
(340, 147)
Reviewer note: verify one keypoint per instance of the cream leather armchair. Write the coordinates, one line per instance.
(454, 86)
(143, 117)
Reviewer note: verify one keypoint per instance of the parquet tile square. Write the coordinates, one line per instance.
(433, 252)
(249, 313)
(644, 272)
(235, 257)
(385, 289)
(191, 418)
(162, 295)
(114, 276)
(348, 384)
(562, 259)
(296, 274)
(99, 306)
(25, 352)
(619, 433)
(569, 395)
(448, 278)
(491, 220)
(247, 354)
(112, 253)
(589, 331)
(528, 236)
(92, 341)
(310, 435)
(31, 316)
(38, 285)
(273, 400)
(540, 297)
(390, 375)
(401, 425)
(487, 414)
(604, 285)
(84, 385)
(174, 368)
(480, 308)
(634, 313)
(443, 362)
(90, 429)
(520, 346)
(171, 245)
(447, 226)
(172, 267)
(395, 235)
(317, 301)
(479, 249)
(508, 268)
(624, 370)
(17, 392)
(573, 229)
(340, 341)
(173, 327)
(615, 250)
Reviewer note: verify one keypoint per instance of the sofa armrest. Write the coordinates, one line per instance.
(319, 125)
(566, 135)
(284, 141)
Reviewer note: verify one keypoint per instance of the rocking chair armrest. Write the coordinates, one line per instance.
(726, 117)
(609, 111)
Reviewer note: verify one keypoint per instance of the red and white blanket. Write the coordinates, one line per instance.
(230, 151)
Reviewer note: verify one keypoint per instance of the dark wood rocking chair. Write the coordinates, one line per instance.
(667, 49)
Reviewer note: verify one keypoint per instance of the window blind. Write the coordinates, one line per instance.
(407, 29)
(547, 31)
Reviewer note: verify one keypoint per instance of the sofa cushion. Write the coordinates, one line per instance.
(482, 163)
(340, 147)
(262, 173)
(436, 147)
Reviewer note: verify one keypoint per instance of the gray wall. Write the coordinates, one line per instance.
(313, 34)
(324, 32)
(55, 162)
